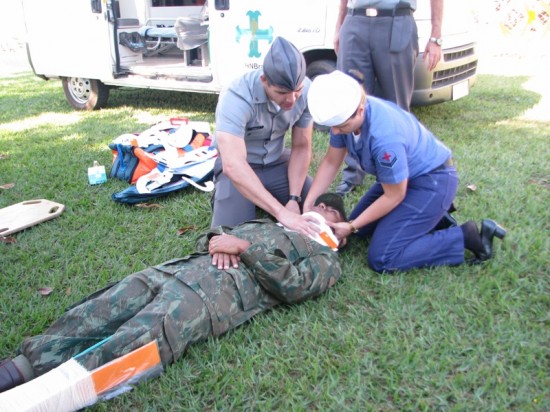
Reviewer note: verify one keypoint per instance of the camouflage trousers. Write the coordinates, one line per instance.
(145, 306)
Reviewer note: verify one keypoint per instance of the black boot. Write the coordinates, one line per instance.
(489, 229)
(481, 243)
(472, 239)
(10, 376)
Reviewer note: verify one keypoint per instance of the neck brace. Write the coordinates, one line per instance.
(325, 237)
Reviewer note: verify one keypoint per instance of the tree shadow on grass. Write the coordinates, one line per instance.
(162, 99)
(26, 96)
(492, 99)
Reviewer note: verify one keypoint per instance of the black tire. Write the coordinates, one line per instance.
(318, 67)
(315, 69)
(85, 94)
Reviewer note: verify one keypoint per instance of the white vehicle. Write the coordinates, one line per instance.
(189, 46)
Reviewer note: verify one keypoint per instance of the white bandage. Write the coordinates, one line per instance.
(69, 387)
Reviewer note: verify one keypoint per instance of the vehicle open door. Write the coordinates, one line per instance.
(70, 40)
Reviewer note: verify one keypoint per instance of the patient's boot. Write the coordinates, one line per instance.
(10, 376)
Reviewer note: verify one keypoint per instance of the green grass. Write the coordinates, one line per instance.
(460, 339)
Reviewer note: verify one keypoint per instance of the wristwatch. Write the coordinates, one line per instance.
(296, 198)
(436, 40)
(352, 227)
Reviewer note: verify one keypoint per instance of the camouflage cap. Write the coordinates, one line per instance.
(333, 200)
(284, 65)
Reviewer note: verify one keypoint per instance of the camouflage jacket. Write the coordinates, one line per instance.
(163, 302)
(279, 267)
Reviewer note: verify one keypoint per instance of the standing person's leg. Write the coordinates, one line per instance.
(229, 206)
(355, 51)
(395, 52)
(354, 54)
(404, 239)
(352, 176)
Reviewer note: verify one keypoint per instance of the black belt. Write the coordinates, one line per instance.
(373, 12)
(448, 163)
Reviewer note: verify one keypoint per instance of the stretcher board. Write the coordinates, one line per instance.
(23, 215)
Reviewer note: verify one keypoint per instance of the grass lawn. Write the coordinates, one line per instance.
(461, 339)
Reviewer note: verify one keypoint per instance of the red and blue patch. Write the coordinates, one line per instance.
(387, 158)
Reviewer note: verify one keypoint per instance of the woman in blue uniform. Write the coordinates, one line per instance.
(416, 181)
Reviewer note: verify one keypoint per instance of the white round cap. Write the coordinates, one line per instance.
(333, 98)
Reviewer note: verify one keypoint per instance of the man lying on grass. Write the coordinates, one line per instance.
(235, 274)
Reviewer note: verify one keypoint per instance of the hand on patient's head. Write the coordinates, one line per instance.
(341, 231)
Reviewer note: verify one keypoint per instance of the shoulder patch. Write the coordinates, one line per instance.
(387, 159)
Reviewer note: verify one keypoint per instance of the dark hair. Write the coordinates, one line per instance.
(333, 200)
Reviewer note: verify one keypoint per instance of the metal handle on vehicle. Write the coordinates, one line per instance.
(221, 4)
(96, 6)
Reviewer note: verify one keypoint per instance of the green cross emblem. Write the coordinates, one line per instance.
(256, 34)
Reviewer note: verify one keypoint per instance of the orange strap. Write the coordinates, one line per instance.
(122, 369)
(328, 240)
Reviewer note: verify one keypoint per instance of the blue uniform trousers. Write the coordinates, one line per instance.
(404, 238)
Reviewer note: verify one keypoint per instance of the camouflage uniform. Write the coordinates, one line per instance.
(186, 300)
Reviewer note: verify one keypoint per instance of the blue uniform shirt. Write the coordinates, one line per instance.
(393, 144)
(244, 110)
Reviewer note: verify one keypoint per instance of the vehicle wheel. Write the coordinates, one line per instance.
(315, 69)
(85, 94)
(320, 67)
